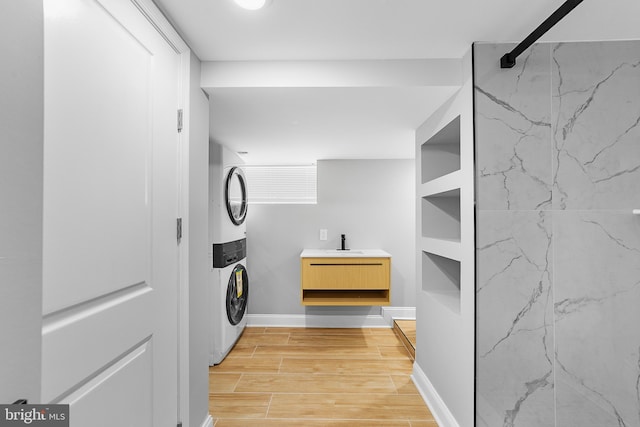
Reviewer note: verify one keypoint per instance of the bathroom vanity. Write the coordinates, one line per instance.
(332, 277)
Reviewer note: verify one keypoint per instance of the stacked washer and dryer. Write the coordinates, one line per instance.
(228, 239)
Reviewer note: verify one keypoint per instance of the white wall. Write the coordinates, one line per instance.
(444, 366)
(371, 201)
(198, 225)
(21, 154)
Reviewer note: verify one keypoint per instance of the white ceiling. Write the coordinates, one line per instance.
(217, 30)
(301, 124)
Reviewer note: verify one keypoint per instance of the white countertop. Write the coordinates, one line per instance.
(351, 253)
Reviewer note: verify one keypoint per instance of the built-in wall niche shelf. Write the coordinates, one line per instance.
(441, 153)
(448, 182)
(439, 207)
(441, 280)
(447, 248)
(441, 215)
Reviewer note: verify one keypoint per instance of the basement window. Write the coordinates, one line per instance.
(289, 184)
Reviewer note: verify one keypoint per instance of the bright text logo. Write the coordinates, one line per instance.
(34, 415)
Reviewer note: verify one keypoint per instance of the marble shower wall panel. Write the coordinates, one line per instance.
(558, 173)
(596, 125)
(514, 320)
(513, 128)
(597, 315)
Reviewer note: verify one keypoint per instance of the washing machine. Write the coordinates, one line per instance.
(229, 282)
(230, 297)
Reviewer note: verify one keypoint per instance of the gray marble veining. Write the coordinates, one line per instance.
(558, 249)
(513, 124)
(515, 319)
(596, 125)
(597, 301)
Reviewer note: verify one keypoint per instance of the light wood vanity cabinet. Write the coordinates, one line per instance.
(345, 280)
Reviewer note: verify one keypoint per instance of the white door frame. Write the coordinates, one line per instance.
(157, 18)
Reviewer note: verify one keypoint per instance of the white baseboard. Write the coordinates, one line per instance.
(429, 394)
(208, 422)
(390, 313)
(317, 321)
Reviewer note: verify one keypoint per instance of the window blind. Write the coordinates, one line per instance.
(295, 184)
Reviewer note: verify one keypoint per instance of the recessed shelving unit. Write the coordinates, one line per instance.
(441, 153)
(448, 182)
(440, 215)
(441, 279)
(443, 247)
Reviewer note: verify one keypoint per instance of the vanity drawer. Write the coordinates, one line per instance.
(345, 273)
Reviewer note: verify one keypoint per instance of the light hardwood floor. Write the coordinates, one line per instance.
(297, 377)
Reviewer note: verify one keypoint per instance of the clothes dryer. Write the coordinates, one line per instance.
(228, 196)
(229, 297)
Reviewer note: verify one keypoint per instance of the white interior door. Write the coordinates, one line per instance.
(110, 260)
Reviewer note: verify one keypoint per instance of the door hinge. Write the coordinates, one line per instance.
(180, 120)
(179, 228)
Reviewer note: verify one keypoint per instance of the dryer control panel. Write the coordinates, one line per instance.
(225, 254)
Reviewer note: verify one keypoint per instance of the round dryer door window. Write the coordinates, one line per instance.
(235, 194)
(237, 294)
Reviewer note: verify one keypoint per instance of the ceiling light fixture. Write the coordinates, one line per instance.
(251, 4)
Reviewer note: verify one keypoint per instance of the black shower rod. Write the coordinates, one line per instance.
(508, 60)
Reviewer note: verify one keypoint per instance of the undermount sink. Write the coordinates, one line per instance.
(349, 253)
(345, 252)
